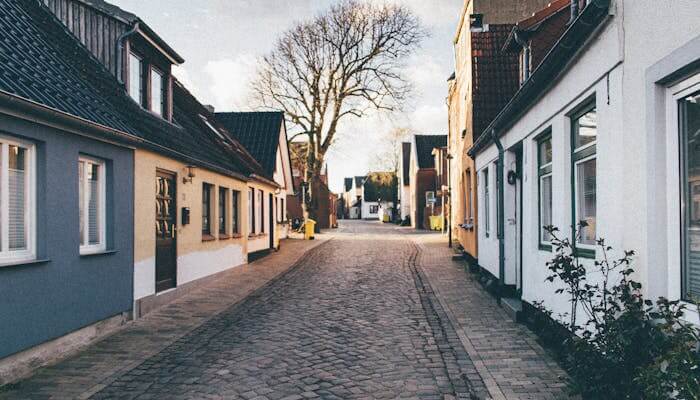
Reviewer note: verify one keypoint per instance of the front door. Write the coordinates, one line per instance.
(166, 221)
(518, 228)
(272, 221)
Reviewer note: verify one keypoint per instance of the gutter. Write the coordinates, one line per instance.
(501, 218)
(546, 74)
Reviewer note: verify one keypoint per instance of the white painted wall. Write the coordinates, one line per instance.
(366, 207)
(198, 264)
(405, 201)
(637, 182)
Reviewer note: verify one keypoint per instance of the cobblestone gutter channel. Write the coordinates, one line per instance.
(464, 378)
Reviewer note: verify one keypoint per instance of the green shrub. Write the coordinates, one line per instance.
(623, 346)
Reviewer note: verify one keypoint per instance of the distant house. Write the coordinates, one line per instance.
(423, 179)
(404, 190)
(264, 135)
(326, 204)
(378, 195)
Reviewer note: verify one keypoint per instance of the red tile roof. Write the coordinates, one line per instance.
(494, 74)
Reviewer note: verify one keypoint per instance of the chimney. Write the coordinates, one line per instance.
(212, 109)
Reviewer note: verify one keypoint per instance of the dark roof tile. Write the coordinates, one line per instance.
(424, 148)
(258, 132)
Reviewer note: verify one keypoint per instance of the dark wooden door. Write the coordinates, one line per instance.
(166, 222)
(272, 221)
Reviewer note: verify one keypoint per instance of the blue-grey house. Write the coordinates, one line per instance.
(66, 188)
(90, 119)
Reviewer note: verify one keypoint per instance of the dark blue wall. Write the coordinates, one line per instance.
(46, 300)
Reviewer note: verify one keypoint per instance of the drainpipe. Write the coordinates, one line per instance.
(501, 220)
(449, 193)
(120, 51)
(574, 10)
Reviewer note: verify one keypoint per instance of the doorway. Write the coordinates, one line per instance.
(166, 235)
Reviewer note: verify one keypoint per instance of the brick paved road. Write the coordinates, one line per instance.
(357, 319)
(352, 322)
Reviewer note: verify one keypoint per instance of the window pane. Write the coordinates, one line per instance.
(222, 211)
(690, 112)
(156, 92)
(487, 200)
(93, 178)
(16, 186)
(206, 204)
(234, 215)
(135, 80)
(545, 207)
(545, 152)
(586, 129)
(585, 191)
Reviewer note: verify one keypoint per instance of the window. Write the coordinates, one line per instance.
(91, 194)
(487, 202)
(544, 171)
(251, 211)
(584, 133)
(17, 198)
(223, 195)
(234, 212)
(498, 199)
(135, 78)
(373, 209)
(469, 209)
(261, 211)
(689, 117)
(206, 209)
(157, 94)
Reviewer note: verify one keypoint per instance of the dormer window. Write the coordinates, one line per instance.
(157, 103)
(135, 78)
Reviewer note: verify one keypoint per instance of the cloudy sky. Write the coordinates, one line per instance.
(222, 39)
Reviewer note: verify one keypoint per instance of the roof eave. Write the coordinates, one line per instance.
(550, 69)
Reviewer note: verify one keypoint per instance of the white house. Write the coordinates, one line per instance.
(604, 129)
(405, 181)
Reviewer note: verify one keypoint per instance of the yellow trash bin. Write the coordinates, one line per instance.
(435, 222)
(309, 227)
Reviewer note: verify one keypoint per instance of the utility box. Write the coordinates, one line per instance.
(309, 226)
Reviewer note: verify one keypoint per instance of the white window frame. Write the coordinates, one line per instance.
(102, 214)
(160, 108)
(542, 177)
(140, 93)
(7, 255)
(674, 192)
(580, 244)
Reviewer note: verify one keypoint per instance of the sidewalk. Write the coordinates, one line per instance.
(507, 356)
(94, 367)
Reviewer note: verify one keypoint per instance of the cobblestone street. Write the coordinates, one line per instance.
(356, 318)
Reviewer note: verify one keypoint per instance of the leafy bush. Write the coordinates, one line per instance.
(623, 346)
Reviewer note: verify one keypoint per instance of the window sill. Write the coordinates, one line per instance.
(257, 235)
(468, 227)
(97, 253)
(545, 247)
(584, 253)
(208, 238)
(223, 236)
(236, 236)
(19, 263)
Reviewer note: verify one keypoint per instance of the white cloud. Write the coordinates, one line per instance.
(229, 81)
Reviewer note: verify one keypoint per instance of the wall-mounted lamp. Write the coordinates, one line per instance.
(190, 174)
(278, 190)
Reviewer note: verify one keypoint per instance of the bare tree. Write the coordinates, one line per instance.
(389, 158)
(340, 64)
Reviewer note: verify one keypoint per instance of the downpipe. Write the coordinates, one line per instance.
(501, 221)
